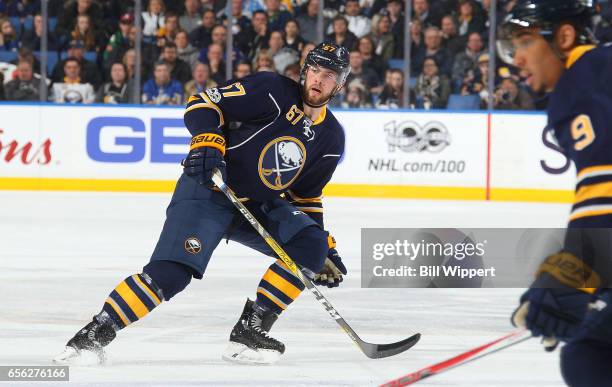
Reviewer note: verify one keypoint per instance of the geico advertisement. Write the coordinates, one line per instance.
(123, 143)
(524, 154)
(432, 149)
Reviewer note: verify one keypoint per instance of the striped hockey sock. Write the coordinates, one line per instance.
(278, 288)
(132, 299)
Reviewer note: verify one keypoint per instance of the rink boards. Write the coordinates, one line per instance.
(389, 154)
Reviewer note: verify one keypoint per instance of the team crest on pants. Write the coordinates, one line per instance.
(281, 161)
(193, 245)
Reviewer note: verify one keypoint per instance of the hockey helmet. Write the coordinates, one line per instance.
(331, 56)
(546, 15)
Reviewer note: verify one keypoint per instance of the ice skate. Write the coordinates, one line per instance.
(87, 346)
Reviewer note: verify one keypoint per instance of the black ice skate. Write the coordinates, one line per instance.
(87, 346)
(249, 340)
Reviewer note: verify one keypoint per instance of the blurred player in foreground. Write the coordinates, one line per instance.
(570, 299)
(277, 146)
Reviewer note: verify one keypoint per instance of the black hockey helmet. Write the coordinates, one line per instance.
(546, 15)
(331, 56)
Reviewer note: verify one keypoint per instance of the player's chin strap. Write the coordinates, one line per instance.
(373, 351)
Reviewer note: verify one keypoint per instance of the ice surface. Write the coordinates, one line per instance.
(61, 254)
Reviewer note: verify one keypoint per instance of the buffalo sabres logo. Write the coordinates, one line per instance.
(193, 245)
(281, 161)
(308, 132)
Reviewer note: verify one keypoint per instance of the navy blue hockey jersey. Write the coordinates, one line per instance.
(580, 111)
(272, 147)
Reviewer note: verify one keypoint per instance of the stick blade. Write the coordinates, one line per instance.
(378, 351)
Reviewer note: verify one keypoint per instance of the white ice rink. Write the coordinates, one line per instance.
(61, 254)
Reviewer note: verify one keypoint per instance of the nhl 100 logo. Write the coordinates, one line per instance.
(409, 136)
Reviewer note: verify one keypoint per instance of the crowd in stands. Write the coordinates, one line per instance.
(91, 48)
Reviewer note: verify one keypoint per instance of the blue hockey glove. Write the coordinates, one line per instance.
(205, 155)
(333, 268)
(554, 305)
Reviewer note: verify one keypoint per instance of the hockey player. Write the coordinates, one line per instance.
(570, 299)
(277, 146)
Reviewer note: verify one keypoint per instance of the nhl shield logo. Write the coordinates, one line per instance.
(281, 162)
(193, 245)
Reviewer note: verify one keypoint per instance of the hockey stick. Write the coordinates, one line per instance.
(461, 359)
(373, 351)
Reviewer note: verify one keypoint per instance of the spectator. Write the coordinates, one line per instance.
(482, 77)
(240, 22)
(366, 76)
(116, 91)
(153, 19)
(432, 88)
(161, 89)
(31, 37)
(129, 61)
(357, 23)
(509, 96)
(67, 19)
(418, 41)
(370, 59)
(466, 60)
(433, 48)
(200, 37)
(25, 87)
(26, 54)
(242, 69)
(88, 70)
(356, 97)
(20, 8)
(84, 32)
(185, 51)
(293, 72)
(396, 16)
(277, 18)
(8, 36)
(282, 56)
(293, 39)
(264, 62)
(450, 40)
(422, 12)
(392, 96)
(249, 7)
(308, 21)
(216, 63)
(119, 41)
(71, 89)
(341, 35)
(168, 31)
(201, 80)
(305, 50)
(251, 41)
(179, 70)
(469, 20)
(191, 19)
(382, 37)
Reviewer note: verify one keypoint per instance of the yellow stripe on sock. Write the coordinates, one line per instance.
(282, 284)
(118, 310)
(132, 300)
(147, 290)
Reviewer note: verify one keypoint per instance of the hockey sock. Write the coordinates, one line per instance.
(278, 288)
(131, 300)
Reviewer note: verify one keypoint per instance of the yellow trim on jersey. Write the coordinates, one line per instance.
(592, 191)
(321, 116)
(296, 198)
(598, 168)
(310, 209)
(577, 53)
(132, 300)
(577, 214)
(193, 98)
(282, 284)
(207, 103)
(147, 290)
(588, 290)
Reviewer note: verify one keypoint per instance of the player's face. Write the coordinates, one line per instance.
(320, 84)
(534, 56)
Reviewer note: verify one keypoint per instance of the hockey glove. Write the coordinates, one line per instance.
(554, 305)
(205, 155)
(333, 268)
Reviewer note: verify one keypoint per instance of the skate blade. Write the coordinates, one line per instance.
(241, 354)
(71, 356)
